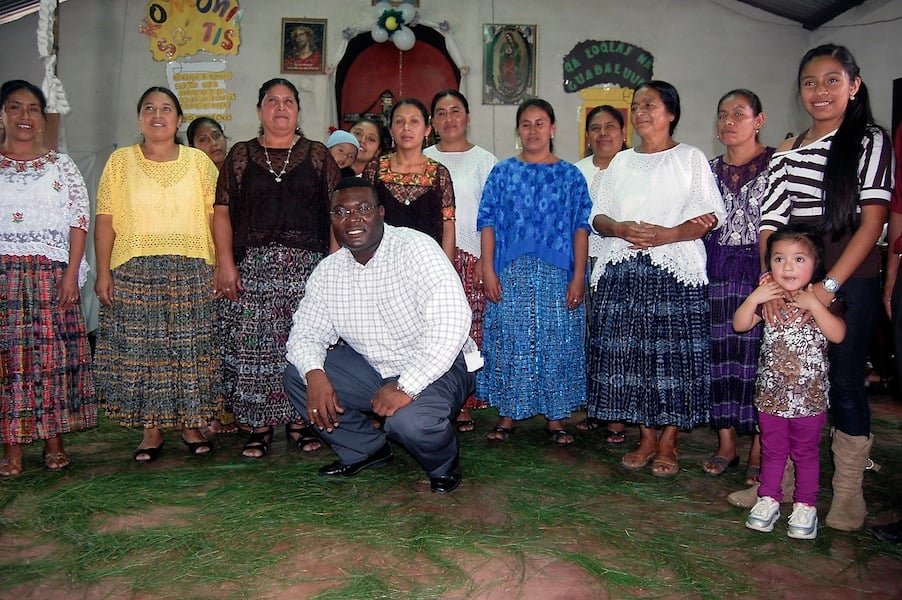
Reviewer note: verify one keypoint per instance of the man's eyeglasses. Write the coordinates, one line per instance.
(340, 213)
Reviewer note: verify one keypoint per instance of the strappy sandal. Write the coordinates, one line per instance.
(613, 437)
(56, 461)
(502, 434)
(665, 463)
(302, 436)
(10, 467)
(638, 458)
(258, 441)
(589, 424)
(561, 437)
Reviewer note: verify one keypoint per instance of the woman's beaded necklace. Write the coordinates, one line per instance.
(279, 175)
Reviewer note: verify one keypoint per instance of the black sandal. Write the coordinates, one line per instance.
(260, 441)
(302, 435)
(589, 424)
(194, 448)
(152, 454)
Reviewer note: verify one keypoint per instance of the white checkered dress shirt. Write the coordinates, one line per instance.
(404, 311)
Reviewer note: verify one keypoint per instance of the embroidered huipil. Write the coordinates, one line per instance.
(40, 200)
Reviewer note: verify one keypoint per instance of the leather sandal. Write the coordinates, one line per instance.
(665, 463)
(303, 437)
(258, 441)
(10, 467)
(197, 448)
(638, 458)
(56, 461)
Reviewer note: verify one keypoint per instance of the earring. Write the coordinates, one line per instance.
(757, 131)
(519, 143)
(852, 98)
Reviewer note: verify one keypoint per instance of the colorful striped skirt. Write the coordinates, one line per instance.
(254, 331)
(533, 345)
(648, 355)
(47, 385)
(465, 264)
(156, 361)
(733, 271)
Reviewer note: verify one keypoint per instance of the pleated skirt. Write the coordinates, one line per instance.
(47, 382)
(733, 271)
(533, 345)
(254, 331)
(157, 364)
(465, 264)
(648, 351)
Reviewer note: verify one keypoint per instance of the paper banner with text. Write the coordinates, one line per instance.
(618, 64)
(177, 28)
(202, 89)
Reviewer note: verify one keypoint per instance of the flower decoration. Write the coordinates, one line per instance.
(394, 23)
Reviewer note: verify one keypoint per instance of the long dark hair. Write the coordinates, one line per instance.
(840, 185)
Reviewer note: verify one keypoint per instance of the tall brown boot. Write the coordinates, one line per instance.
(850, 459)
(748, 497)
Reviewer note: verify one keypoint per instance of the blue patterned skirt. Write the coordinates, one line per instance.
(648, 354)
(533, 345)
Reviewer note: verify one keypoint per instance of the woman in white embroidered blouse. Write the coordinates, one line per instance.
(42, 243)
(469, 166)
(648, 347)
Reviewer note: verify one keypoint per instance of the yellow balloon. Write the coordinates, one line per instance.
(391, 23)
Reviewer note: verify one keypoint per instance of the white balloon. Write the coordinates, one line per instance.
(408, 12)
(379, 34)
(381, 7)
(404, 38)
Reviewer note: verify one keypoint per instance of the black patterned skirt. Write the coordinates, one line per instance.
(648, 352)
(254, 331)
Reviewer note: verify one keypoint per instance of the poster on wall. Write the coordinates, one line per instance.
(177, 28)
(303, 45)
(202, 89)
(509, 74)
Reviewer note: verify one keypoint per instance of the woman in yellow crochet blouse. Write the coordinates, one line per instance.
(155, 359)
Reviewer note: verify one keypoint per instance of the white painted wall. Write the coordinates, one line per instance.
(704, 47)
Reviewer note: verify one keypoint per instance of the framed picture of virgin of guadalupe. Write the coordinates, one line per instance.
(303, 45)
(509, 63)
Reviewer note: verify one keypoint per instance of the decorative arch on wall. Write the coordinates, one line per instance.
(369, 76)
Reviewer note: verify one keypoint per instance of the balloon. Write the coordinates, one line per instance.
(381, 7)
(408, 12)
(391, 23)
(404, 38)
(379, 34)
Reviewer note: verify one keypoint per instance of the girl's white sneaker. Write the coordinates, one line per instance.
(802, 522)
(763, 515)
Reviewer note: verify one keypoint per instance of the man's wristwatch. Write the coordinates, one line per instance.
(830, 284)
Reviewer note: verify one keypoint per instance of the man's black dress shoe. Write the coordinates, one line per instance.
(449, 481)
(380, 457)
